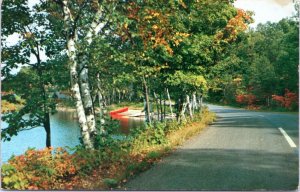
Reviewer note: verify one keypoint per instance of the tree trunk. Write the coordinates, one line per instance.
(47, 129)
(93, 29)
(119, 96)
(46, 118)
(181, 110)
(201, 100)
(161, 109)
(146, 94)
(101, 106)
(178, 109)
(182, 113)
(75, 87)
(194, 101)
(164, 105)
(87, 99)
(188, 103)
(157, 107)
(113, 96)
(87, 141)
(268, 101)
(170, 104)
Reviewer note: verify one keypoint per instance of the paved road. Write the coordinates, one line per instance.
(242, 150)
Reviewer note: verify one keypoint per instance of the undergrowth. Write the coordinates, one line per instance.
(109, 166)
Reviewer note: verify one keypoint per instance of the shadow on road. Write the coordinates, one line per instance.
(215, 169)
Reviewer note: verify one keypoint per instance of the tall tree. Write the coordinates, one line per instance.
(35, 37)
(83, 20)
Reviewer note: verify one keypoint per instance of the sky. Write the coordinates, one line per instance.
(267, 10)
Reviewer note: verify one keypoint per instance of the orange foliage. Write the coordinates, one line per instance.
(7, 107)
(234, 26)
(40, 169)
(153, 27)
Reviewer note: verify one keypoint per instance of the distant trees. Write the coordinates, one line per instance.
(266, 62)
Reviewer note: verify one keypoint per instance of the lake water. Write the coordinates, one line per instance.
(65, 131)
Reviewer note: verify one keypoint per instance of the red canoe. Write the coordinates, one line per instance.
(118, 111)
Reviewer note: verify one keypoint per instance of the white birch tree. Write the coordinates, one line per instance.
(83, 20)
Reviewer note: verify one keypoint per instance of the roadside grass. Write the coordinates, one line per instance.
(148, 148)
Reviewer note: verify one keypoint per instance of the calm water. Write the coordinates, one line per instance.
(65, 131)
(129, 123)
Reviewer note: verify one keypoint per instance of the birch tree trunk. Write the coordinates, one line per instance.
(194, 101)
(157, 107)
(147, 111)
(77, 96)
(94, 28)
(170, 104)
(182, 108)
(87, 100)
(85, 118)
(188, 103)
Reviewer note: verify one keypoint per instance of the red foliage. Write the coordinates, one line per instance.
(287, 100)
(246, 99)
(240, 98)
(39, 169)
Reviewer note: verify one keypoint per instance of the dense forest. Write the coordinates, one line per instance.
(157, 53)
(261, 69)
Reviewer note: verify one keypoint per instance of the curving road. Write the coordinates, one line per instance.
(242, 150)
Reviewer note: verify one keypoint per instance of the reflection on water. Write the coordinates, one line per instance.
(65, 131)
(127, 123)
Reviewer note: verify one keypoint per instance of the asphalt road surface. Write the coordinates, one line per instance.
(242, 150)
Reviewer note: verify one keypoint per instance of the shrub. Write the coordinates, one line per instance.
(288, 101)
(248, 99)
(37, 169)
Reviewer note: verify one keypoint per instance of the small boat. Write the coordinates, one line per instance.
(118, 111)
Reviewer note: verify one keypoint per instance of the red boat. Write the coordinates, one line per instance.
(118, 111)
